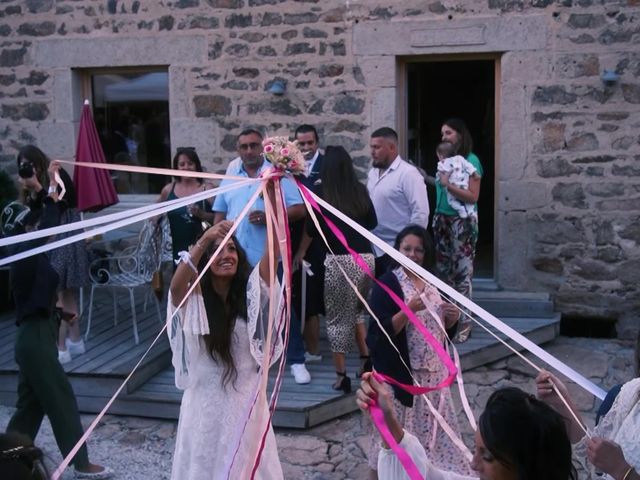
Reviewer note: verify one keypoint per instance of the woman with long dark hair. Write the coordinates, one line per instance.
(425, 366)
(340, 187)
(71, 262)
(518, 438)
(185, 223)
(456, 237)
(218, 341)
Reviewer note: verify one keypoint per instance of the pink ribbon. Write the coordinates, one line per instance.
(283, 234)
(376, 415)
(446, 360)
(378, 420)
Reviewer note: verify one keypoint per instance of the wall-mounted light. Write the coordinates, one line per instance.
(609, 77)
(278, 87)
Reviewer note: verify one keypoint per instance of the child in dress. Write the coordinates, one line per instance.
(459, 171)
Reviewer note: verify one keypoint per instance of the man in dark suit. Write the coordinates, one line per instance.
(308, 141)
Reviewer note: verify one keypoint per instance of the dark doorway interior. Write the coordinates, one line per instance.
(438, 90)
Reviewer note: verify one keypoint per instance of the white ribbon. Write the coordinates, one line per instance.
(468, 304)
(306, 270)
(127, 219)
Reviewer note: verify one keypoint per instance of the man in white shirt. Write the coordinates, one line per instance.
(397, 191)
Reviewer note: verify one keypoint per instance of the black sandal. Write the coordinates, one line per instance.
(343, 383)
(365, 366)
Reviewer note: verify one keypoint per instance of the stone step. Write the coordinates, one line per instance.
(511, 303)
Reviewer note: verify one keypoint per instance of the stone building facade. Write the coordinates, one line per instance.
(567, 162)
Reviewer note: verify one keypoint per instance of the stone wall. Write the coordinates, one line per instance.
(568, 149)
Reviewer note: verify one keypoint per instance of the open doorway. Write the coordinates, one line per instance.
(439, 89)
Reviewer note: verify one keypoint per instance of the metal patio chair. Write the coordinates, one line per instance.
(130, 269)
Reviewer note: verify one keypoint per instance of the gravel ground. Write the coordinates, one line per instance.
(139, 448)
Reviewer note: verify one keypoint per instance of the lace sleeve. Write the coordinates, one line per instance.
(185, 329)
(622, 418)
(258, 318)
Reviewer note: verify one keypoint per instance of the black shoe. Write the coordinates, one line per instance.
(343, 383)
(365, 365)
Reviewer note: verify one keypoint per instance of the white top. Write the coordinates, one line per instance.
(399, 196)
(310, 163)
(390, 468)
(459, 168)
(621, 425)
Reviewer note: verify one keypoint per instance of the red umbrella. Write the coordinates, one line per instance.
(94, 187)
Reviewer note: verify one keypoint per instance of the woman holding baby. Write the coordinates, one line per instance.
(455, 230)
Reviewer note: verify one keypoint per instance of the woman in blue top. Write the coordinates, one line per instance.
(455, 237)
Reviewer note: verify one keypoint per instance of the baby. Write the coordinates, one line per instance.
(459, 171)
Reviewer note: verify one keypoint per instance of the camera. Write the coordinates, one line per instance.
(25, 170)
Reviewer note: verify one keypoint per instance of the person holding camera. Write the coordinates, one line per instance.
(43, 386)
(71, 262)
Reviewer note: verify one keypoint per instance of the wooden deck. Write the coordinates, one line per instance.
(112, 353)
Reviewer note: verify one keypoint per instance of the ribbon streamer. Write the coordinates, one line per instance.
(67, 460)
(466, 303)
(383, 246)
(127, 220)
(152, 170)
(378, 419)
(445, 426)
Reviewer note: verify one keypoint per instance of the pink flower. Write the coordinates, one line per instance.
(284, 152)
(268, 148)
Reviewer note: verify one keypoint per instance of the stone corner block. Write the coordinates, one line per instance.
(383, 110)
(378, 71)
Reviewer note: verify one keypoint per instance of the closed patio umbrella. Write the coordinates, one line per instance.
(94, 187)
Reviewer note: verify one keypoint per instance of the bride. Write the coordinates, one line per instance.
(217, 338)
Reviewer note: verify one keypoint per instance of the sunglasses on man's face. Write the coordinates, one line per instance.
(248, 146)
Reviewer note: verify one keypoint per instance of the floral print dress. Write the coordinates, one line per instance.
(427, 369)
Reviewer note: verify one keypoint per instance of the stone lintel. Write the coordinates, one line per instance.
(128, 51)
(486, 34)
(474, 35)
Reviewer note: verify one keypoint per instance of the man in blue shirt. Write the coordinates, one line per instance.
(252, 231)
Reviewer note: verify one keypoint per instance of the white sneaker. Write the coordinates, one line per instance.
(64, 356)
(310, 357)
(300, 373)
(75, 348)
(105, 474)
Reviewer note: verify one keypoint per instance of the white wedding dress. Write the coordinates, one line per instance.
(213, 422)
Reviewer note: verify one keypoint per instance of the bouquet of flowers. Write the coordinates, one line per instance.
(284, 155)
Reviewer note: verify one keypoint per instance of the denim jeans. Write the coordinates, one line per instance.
(295, 348)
